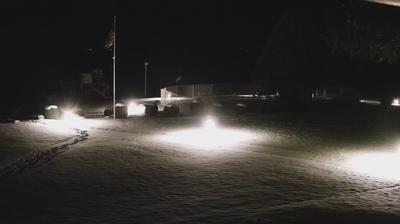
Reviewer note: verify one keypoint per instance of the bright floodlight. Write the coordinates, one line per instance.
(136, 109)
(209, 122)
(396, 102)
(69, 120)
(69, 115)
(380, 165)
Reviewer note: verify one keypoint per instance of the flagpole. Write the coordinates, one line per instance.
(114, 59)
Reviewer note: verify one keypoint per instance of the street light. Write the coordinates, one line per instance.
(145, 78)
(136, 109)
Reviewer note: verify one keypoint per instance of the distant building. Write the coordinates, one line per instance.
(335, 93)
(199, 91)
(184, 95)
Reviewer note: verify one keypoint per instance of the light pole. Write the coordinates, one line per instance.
(114, 59)
(145, 78)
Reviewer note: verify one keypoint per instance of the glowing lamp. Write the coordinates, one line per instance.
(69, 115)
(136, 109)
(209, 123)
(396, 102)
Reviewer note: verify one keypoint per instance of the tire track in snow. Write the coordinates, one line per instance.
(37, 158)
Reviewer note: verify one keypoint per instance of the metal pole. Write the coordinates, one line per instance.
(145, 78)
(114, 59)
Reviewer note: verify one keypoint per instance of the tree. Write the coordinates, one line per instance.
(364, 31)
(292, 56)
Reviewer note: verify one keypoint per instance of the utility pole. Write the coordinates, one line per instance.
(114, 59)
(145, 78)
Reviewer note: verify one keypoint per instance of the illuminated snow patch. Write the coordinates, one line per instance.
(51, 107)
(381, 165)
(209, 123)
(70, 120)
(63, 126)
(208, 138)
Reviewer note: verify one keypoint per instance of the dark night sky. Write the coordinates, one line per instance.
(45, 43)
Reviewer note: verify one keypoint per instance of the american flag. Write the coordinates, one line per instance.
(110, 40)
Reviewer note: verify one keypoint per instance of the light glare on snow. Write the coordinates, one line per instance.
(209, 136)
(50, 107)
(69, 120)
(209, 123)
(71, 116)
(396, 102)
(382, 165)
(135, 109)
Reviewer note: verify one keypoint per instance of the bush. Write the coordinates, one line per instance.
(52, 113)
(171, 111)
(108, 112)
(197, 108)
(151, 110)
(121, 112)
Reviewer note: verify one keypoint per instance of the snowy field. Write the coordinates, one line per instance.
(247, 169)
(19, 139)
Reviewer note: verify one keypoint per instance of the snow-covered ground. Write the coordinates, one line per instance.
(19, 139)
(251, 169)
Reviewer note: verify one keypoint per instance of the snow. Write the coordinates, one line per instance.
(19, 139)
(286, 173)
